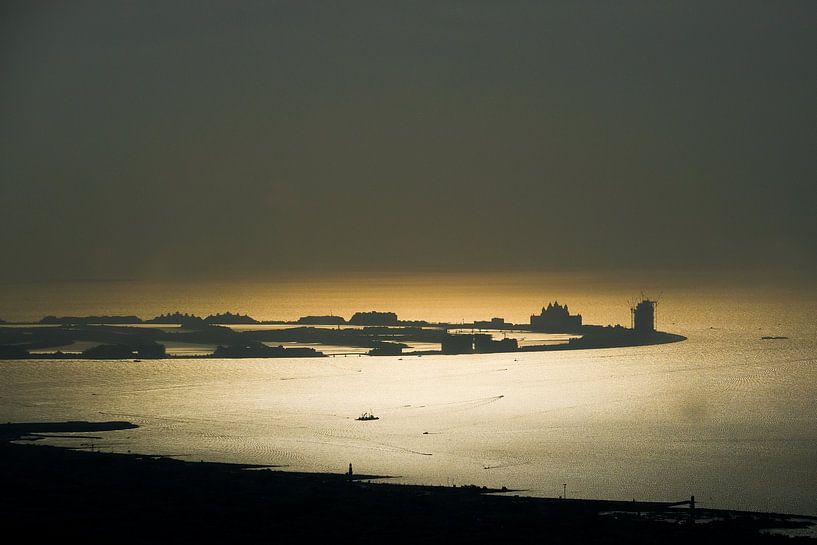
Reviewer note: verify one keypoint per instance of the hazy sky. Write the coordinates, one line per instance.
(168, 139)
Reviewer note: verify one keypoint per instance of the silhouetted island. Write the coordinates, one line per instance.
(124, 351)
(228, 318)
(68, 320)
(177, 318)
(321, 320)
(58, 495)
(374, 318)
(260, 350)
(390, 336)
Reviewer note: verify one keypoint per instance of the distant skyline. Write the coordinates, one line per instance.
(168, 140)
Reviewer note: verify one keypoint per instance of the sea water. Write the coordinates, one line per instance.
(726, 415)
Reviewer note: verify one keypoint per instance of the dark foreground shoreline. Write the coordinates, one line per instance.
(57, 495)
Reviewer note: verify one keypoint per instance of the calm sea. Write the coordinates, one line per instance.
(725, 415)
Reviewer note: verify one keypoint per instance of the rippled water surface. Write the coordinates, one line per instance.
(724, 415)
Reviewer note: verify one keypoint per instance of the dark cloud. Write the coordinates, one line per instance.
(172, 139)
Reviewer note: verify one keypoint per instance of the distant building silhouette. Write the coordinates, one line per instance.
(493, 323)
(374, 318)
(228, 318)
(458, 344)
(556, 319)
(485, 344)
(185, 320)
(644, 316)
(321, 320)
(76, 320)
(479, 342)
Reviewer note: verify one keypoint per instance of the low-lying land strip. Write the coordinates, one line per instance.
(80, 337)
(56, 495)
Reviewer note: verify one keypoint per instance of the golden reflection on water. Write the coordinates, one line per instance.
(725, 415)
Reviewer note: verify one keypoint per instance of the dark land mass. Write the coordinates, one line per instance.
(321, 320)
(609, 337)
(12, 431)
(177, 318)
(374, 317)
(228, 318)
(123, 342)
(191, 320)
(85, 320)
(56, 495)
(383, 333)
(261, 350)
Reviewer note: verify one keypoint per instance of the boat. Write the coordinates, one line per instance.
(367, 416)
